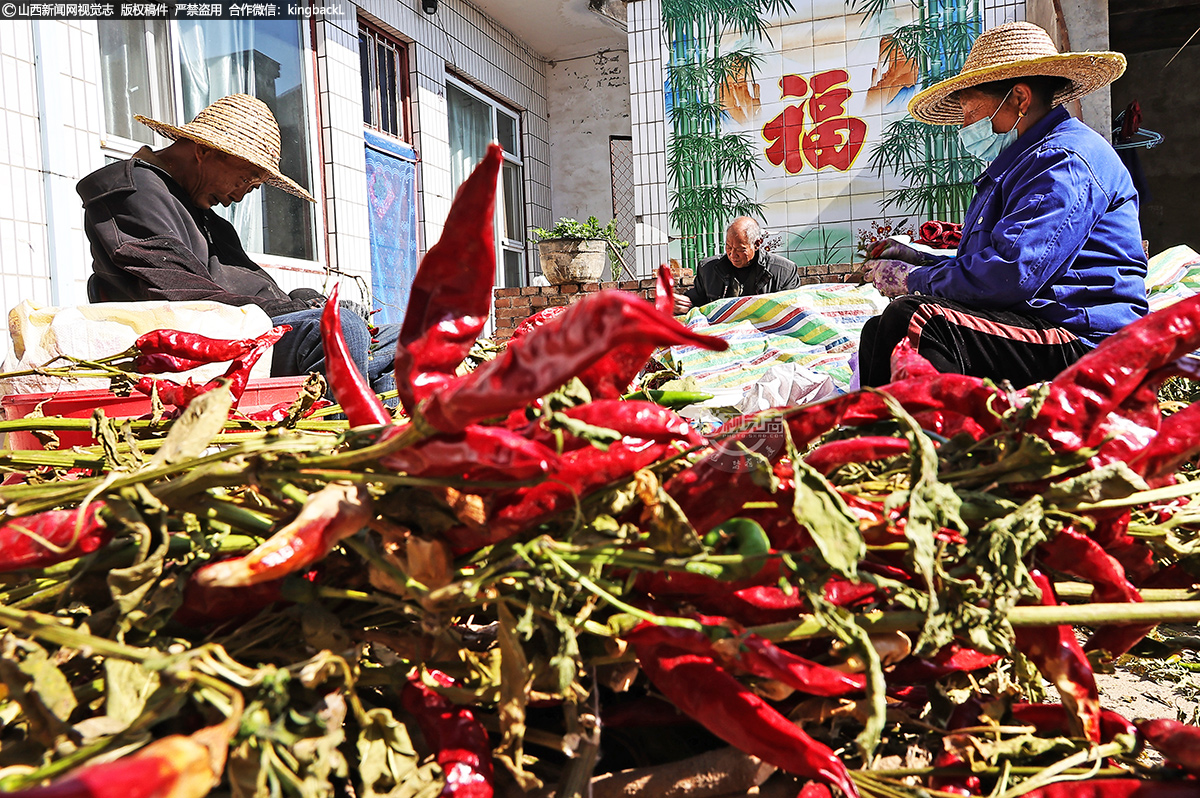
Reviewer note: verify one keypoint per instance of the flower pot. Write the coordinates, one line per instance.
(572, 260)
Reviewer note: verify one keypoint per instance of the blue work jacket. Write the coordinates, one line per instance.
(1052, 233)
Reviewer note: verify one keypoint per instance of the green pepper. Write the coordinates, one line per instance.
(669, 398)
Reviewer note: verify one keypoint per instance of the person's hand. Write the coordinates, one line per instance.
(311, 297)
(891, 249)
(682, 304)
(890, 277)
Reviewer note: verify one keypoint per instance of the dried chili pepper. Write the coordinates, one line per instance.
(335, 512)
(1177, 441)
(238, 374)
(452, 292)
(708, 693)
(171, 767)
(609, 377)
(632, 419)
(536, 320)
(1058, 657)
(191, 346)
(279, 411)
(1178, 742)
(348, 384)
(907, 363)
(170, 393)
(36, 541)
(1118, 788)
(459, 742)
(1081, 397)
(549, 356)
(205, 604)
(1055, 719)
(158, 363)
(477, 452)
(949, 659)
(576, 474)
(865, 449)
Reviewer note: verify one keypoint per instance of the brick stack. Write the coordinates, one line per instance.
(514, 305)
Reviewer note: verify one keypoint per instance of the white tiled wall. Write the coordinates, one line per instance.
(461, 40)
(647, 56)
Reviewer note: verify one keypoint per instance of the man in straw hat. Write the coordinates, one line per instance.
(154, 234)
(1051, 258)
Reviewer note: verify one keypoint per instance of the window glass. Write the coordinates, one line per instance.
(134, 80)
(475, 120)
(265, 59)
(383, 64)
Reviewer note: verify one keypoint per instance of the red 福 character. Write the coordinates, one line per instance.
(834, 139)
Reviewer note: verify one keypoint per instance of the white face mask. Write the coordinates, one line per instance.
(980, 140)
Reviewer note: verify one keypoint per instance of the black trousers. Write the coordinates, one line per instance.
(961, 340)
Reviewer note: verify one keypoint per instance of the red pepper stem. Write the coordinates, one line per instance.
(1054, 772)
(588, 584)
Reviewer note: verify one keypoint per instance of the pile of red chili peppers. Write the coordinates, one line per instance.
(493, 589)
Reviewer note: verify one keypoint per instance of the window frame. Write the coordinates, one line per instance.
(503, 243)
(404, 95)
(120, 148)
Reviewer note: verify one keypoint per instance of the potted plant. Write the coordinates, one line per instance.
(573, 251)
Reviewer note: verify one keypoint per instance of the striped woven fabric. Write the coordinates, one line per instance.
(1174, 274)
(815, 326)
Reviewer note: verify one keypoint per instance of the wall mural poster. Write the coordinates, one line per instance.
(795, 111)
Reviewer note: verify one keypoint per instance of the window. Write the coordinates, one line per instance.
(171, 70)
(384, 66)
(474, 120)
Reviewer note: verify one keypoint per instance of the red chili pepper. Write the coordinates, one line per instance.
(279, 410)
(205, 605)
(1080, 398)
(868, 448)
(632, 419)
(1055, 719)
(348, 384)
(36, 541)
(171, 767)
(158, 363)
(191, 346)
(1074, 553)
(609, 377)
(538, 319)
(1060, 659)
(1119, 788)
(1178, 742)
(458, 740)
(949, 659)
(707, 692)
(452, 292)
(576, 474)
(550, 355)
(482, 453)
(1177, 441)
(170, 393)
(907, 363)
(642, 712)
(333, 513)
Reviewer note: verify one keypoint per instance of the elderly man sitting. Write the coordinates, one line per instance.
(154, 234)
(745, 269)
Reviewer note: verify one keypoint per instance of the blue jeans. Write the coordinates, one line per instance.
(300, 351)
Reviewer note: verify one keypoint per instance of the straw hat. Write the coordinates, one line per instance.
(1016, 50)
(238, 125)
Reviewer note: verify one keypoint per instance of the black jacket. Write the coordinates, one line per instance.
(766, 274)
(151, 241)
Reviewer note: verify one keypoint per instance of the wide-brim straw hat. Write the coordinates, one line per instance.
(241, 126)
(1016, 50)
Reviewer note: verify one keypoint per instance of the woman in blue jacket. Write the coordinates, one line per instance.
(1051, 259)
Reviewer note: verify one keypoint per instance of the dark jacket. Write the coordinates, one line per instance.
(766, 274)
(151, 241)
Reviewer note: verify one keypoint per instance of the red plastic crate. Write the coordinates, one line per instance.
(259, 395)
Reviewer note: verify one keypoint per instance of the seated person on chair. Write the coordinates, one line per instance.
(1051, 259)
(744, 270)
(154, 234)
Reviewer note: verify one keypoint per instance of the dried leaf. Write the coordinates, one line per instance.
(516, 680)
(194, 430)
(40, 688)
(389, 765)
(819, 508)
